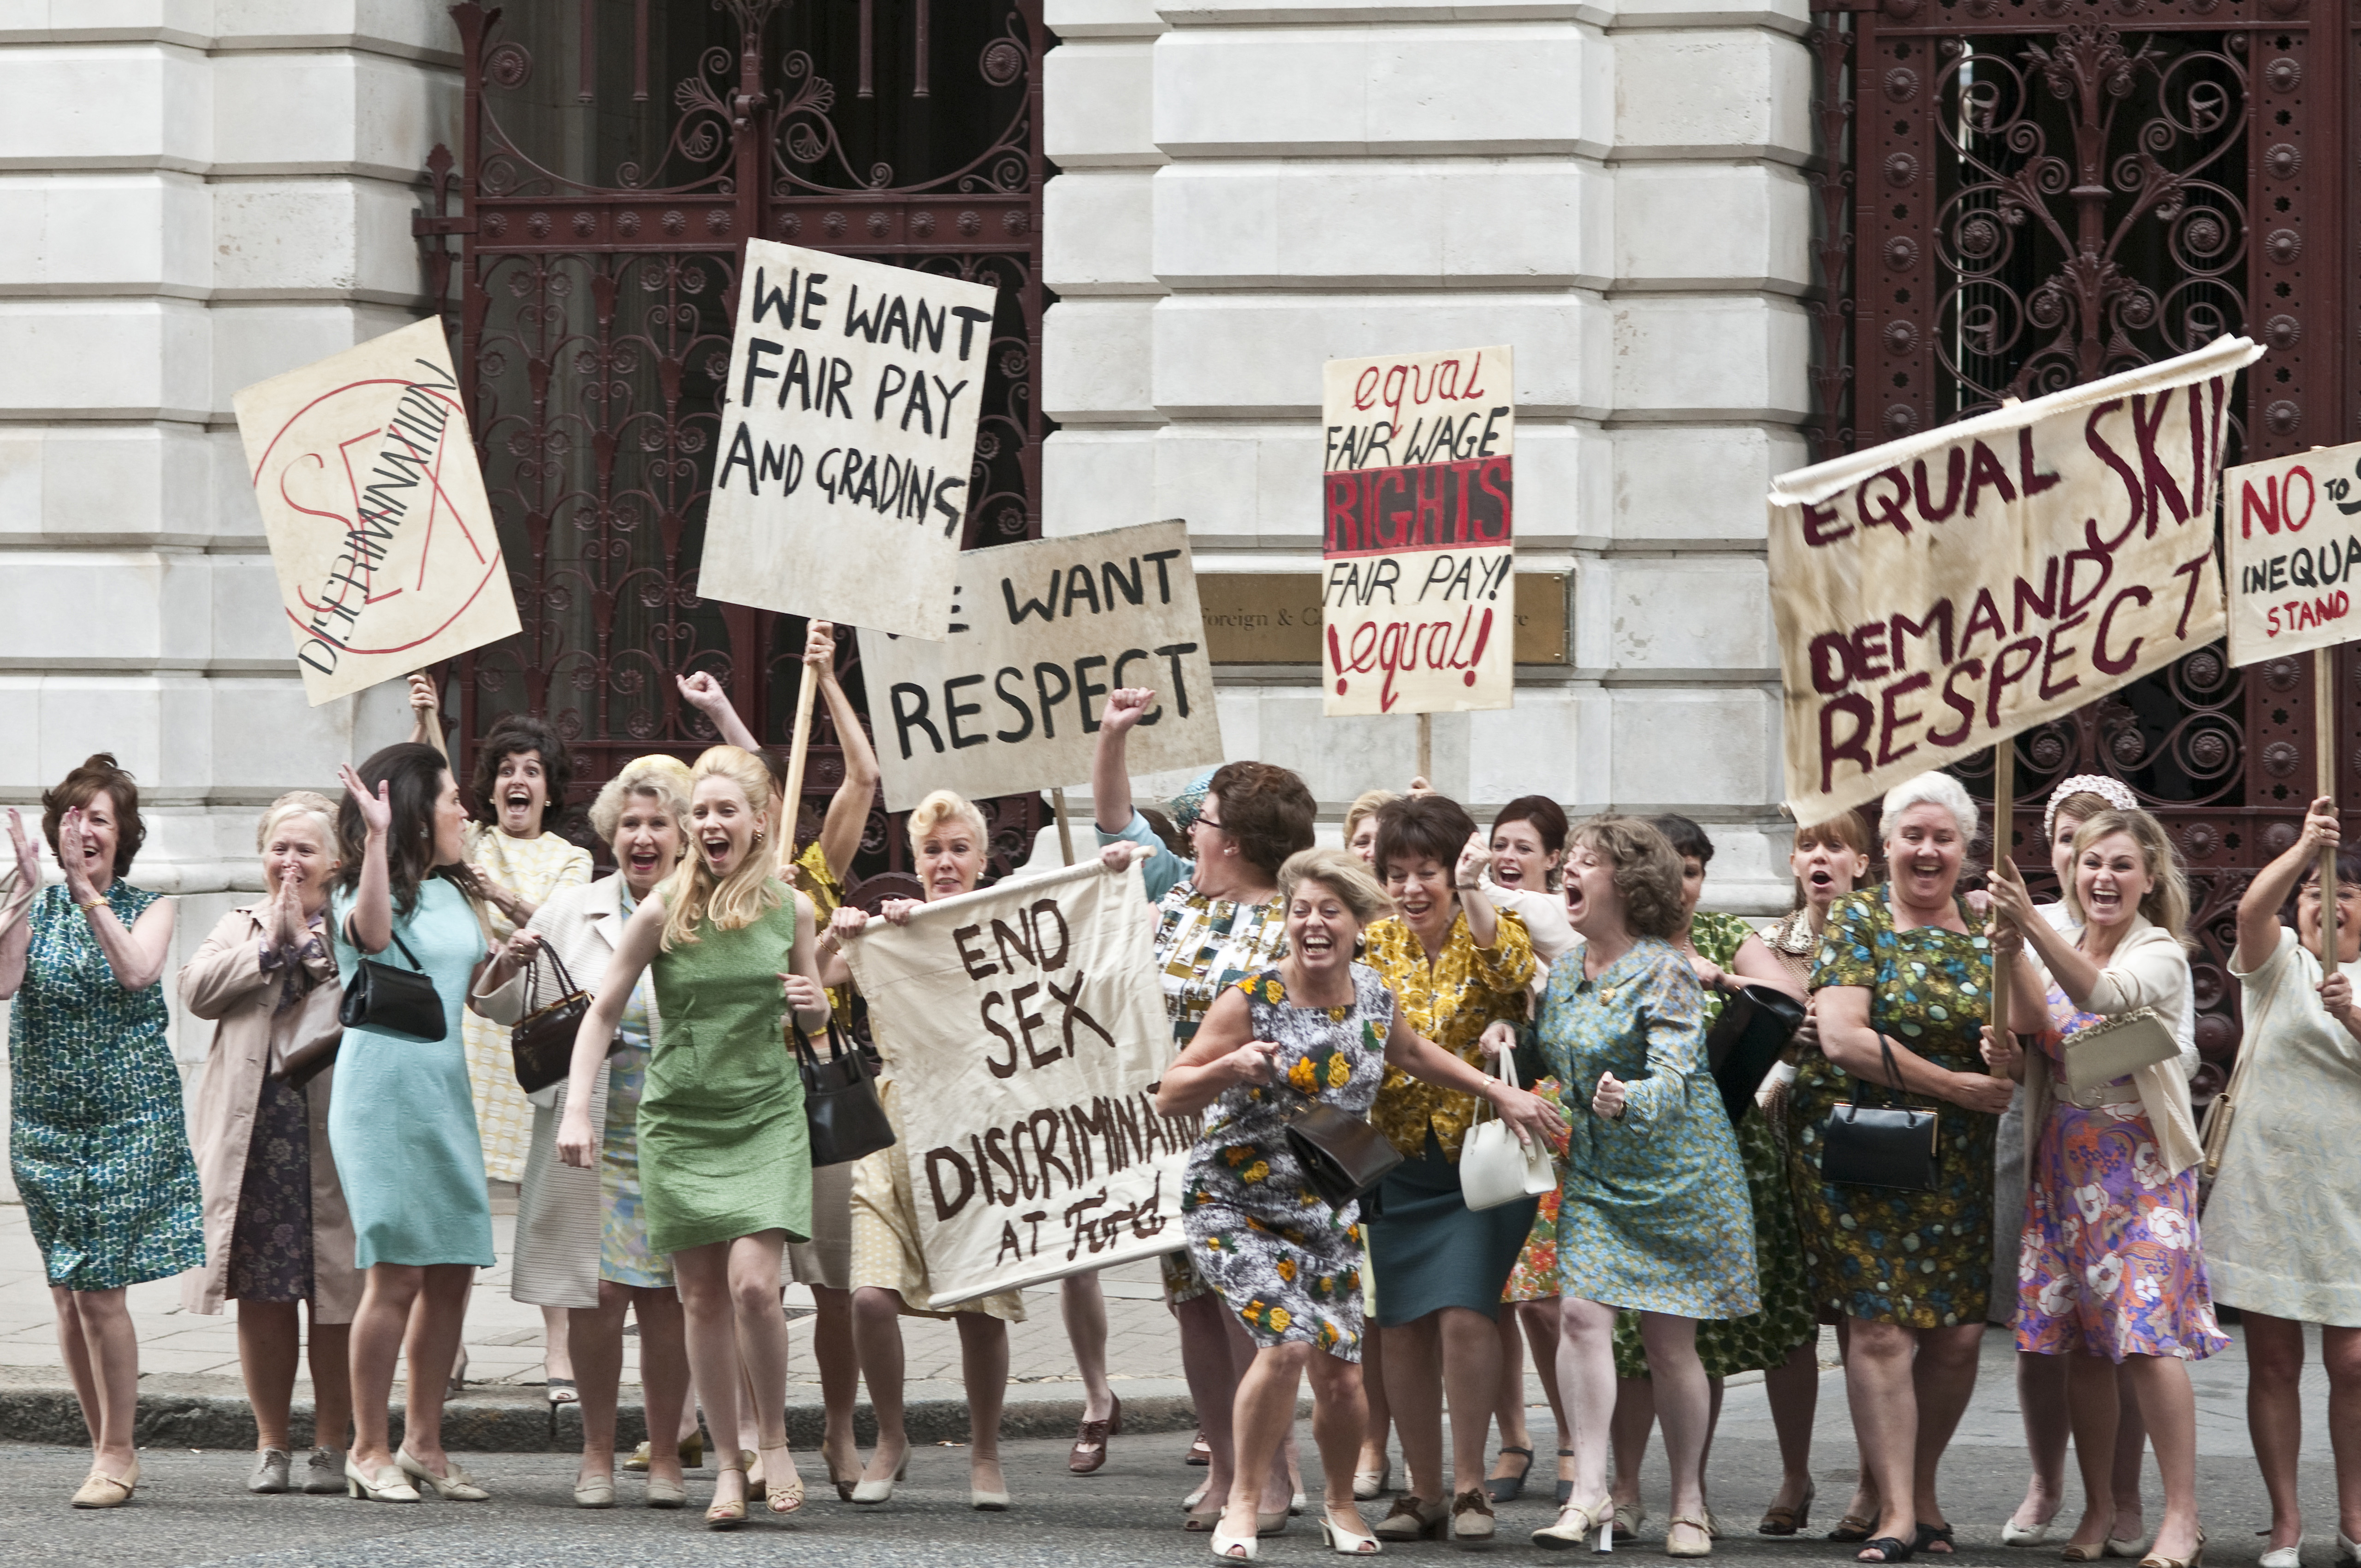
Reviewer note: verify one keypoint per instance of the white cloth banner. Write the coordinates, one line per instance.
(848, 433)
(2291, 543)
(1043, 633)
(1940, 594)
(379, 530)
(1025, 1030)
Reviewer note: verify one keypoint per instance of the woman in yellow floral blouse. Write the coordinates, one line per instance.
(1454, 964)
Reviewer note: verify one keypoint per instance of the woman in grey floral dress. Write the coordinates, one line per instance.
(1319, 1026)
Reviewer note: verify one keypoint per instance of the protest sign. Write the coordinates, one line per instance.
(1041, 632)
(1025, 1030)
(379, 530)
(846, 438)
(1417, 601)
(1941, 593)
(2292, 548)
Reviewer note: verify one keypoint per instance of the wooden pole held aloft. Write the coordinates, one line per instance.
(2004, 841)
(1065, 828)
(798, 751)
(1426, 747)
(2323, 721)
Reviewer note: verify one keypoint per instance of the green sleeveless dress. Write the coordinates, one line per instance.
(723, 1150)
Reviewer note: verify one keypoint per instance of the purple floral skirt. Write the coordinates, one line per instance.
(270, 1245)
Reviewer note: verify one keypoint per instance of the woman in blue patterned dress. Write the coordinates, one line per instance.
(1285, 1263)
(97, 1140)
(1653, 1212)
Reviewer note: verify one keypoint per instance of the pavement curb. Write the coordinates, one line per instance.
(527, 1424)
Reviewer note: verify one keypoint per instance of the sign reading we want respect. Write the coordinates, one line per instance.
(1418, 603)
(847, 437)
(381, 533)
(1940, 594)
(1041, 634)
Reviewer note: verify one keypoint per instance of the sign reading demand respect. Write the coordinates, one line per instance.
(1042, 632)
(1940, 594)
(847, 437)
(1025, 1031)
(2291, 550)
(379, 529)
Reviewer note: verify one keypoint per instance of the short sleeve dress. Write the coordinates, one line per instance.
(532, 869)
(97, 1140)
(1922, 1260)
(1285, 1262)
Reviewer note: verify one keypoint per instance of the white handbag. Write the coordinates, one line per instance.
(1494, 1166)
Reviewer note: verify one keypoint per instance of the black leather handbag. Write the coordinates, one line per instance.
(1879, 1145)
(1755, 1025)
(541, 1042)
(388, 1000)
(1344, 1157)
(841, 1106)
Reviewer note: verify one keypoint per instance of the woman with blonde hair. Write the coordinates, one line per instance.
(276, 1229)
(1361, 821)
(582, 1234)
(725, 1158)
(2110, 1275)
(949, 844)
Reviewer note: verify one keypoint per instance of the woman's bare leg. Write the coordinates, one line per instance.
(269, 1349)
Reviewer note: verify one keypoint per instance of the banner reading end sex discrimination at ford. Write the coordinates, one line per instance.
(848, 433)
(379, 526)
(1940, 594)
(2291, 547)
(1418, 610)
(1024, 1028)
(1040, 634)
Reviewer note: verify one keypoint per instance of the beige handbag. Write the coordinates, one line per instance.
(2215, 1139)
(1495, 1167)
(2116, 1048)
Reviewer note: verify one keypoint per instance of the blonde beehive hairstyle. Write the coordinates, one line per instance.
(691, 894)
(943, 806)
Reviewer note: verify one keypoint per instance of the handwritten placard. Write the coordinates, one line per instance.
(2291, 551)
(379, 530)
(1416, 532)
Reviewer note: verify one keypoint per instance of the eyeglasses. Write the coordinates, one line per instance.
(1205, 821)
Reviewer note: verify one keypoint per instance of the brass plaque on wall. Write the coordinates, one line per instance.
(1273, 617)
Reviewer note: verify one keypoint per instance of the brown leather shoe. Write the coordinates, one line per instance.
(1090, 1450)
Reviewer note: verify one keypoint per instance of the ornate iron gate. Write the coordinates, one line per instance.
(2019, 196)
(615, 154)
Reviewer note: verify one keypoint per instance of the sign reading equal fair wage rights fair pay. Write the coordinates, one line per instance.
(2292, 537)
(1941, 593)
(848, 433)
(1025, 1031)
(379, 530)
(1041, 632)
(1415, 522)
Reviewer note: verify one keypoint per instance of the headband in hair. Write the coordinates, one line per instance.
(2114, 791)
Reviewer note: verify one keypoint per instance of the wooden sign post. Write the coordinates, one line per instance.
(2004, 841)
(2323, 735)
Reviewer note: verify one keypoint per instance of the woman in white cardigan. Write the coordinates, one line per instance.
(582, 1242)
(2109, 1272)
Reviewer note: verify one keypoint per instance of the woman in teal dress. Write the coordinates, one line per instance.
(96, 1138)
(1651, 1215)
(725, 1159)
(403, 1124)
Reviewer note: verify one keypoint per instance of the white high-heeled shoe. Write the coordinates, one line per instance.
(1339, 1538)
(881, 1491)
(2015, 1534)
(2284, 1556)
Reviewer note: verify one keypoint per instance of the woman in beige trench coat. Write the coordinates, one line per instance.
(276, 1229)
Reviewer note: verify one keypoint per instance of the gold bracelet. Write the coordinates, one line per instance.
(94, 903)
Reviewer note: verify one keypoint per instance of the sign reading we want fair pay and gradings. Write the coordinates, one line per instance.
(1418, 602)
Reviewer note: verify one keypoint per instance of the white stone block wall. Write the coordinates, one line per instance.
(1251, 187)
(194, 194)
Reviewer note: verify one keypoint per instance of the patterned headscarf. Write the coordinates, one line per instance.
(1190, 804)
(2114, 791)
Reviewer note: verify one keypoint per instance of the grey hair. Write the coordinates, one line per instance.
(1929, 789)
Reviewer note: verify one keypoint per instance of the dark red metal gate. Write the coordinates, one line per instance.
(615, 154)
(2019, 196)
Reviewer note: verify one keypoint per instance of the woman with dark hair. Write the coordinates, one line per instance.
(1455, 965)
(1781, 1340)
(2283, 1225)
(97, 1141)
(1219, 919)
(402, 1123)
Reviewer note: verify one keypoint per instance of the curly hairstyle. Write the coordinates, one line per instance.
(1267, 811)
(942, 806)
(1342, 873)
(664, 777)
(1422, 827)
(413, 775)
(99, 774)
(511, 735)
(298, 803)
(748, 893)
(2166, 903)
(1647, 872)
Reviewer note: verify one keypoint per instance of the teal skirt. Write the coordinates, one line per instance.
(1430, 1251)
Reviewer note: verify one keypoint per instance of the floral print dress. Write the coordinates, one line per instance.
(2107, 1264)
(1261, 1234)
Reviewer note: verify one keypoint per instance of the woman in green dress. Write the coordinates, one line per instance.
(725, 1159)
(1782, 1340)
(1909, 965)
(97, 1139)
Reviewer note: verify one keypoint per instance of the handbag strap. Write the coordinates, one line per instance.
(1892, 1073)
(804, 1054)
(566, 986)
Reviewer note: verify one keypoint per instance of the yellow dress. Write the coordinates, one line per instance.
(532, 869)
